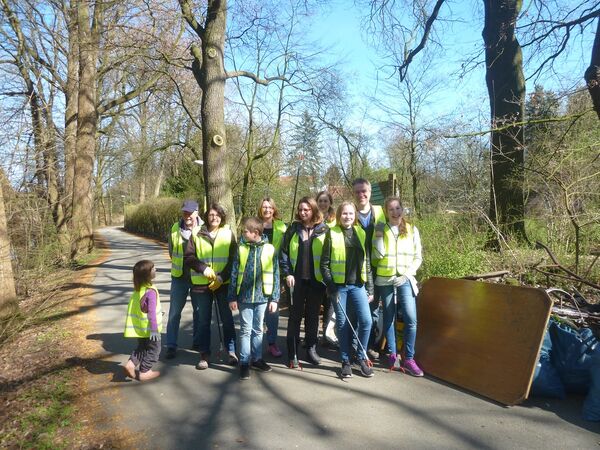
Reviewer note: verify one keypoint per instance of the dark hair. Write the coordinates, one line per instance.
(253, 224)
(272, 203)
(220, 211)
(402, 229)
(338, 213)
(142, 273)
(317, 216)
(330, 211)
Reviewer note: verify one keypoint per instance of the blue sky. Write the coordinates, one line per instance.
(339, 27)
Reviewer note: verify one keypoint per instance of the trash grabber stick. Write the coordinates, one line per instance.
(294, 345)
(364, 351)
(218, 315)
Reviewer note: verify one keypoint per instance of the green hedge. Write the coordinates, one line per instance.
(153, 218)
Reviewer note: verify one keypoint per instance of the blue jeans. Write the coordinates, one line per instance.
(272, 321)
(180, 288)
(407, 301)
(251, 334)
(205, 304)
(352, 300)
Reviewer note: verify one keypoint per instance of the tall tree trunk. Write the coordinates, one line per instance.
(592, 74)
(53, 188)
(506, 89)
(214, 140)
(71, 101)
(82, 220)
(159, 178)
(8, 295)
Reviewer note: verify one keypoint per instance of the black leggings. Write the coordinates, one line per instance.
(306, 302)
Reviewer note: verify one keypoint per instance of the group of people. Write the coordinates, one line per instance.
(347, 260)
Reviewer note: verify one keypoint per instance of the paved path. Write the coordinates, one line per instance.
(312, 409)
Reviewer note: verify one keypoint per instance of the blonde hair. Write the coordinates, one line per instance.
(338, 213)
(402, 228)
(271, 202)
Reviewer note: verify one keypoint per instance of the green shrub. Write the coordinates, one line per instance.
(450, 248)
(153, 218)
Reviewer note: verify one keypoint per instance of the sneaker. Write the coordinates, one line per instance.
(393, 361)
(261, 365)
(346, 370)
(372, 354)
(232, 359)
(244, 371)
(410, 367)
(203, 363)
(171, 352)
(294, 364)
(274, 350)
(365, 368)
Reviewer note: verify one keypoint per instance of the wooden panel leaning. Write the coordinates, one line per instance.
(480, 336)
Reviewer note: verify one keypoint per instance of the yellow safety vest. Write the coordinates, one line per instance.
(338, 254)
(332, 223)
(278, 232)
(378, 214)
(177, 249)
(215, 255)
(266, 263)
(136, 322)
(317, 251)
(399, 252)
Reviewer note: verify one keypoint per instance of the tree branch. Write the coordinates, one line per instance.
(255, 78)
(403, 68)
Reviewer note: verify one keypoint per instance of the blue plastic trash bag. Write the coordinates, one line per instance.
(571, 355)
(591, 406)
(546, 380)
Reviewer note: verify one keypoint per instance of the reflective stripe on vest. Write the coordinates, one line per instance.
(177, 249)
(215, 255)
(317, 251)
(266, 263)
(338, 254)
(136, 322)
(399, 252)
(278, 232)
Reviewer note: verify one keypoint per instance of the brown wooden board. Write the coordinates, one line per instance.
(480, 336)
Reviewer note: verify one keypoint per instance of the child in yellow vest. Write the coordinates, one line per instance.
(254, 285)
(144, 322)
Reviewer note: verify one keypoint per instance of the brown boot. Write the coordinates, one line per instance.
(150, 375)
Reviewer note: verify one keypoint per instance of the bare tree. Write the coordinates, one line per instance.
(8, 295)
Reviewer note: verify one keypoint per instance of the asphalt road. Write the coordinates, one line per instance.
(309, 409)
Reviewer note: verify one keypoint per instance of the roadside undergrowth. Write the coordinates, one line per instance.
(43, 358)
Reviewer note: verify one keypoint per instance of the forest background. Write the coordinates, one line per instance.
(480, 109)
(486, 112)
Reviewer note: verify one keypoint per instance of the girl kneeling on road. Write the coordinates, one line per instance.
(396, 256)
(347, 274)
(144, 322)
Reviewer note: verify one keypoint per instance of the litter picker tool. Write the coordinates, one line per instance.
(364, 351)
(294, 363)
(219, 323)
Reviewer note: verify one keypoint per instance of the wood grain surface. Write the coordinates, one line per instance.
(480, 336)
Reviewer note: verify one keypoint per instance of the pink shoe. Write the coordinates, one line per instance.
(274, 350)
(410, 366)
